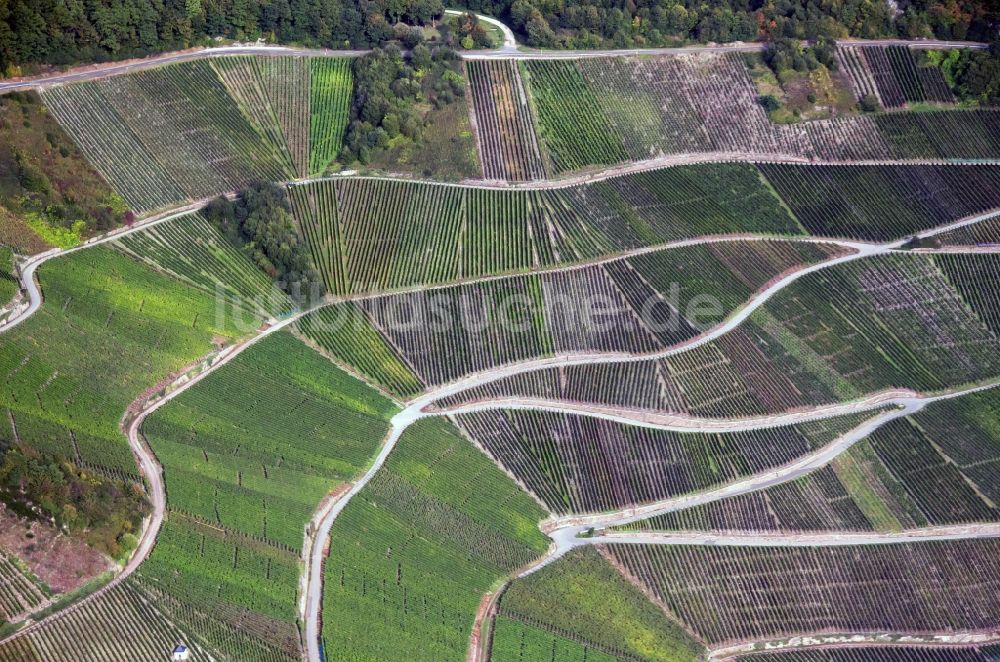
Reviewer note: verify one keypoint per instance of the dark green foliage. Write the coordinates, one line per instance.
(54, 32)
(605, 23)
(388, 89)
(261, 221)
(98, 509)
(974, 75)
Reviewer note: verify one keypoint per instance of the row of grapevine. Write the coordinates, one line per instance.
(730, 594)
(985, 233)
(235, 580)
(503, 120)
(602, 111)
(189, 137)
(895, 653)
(413, 553)
(120, 625)
(878, 203)
(852, 61)
(193, 250)
(956, 134)
(247, 454)
(422, 234)
(641, 304)
(331, 84)
(581, 608)
(817, 502)
(274, 93)
(895, 75)
(583, 464)
(346, 334)
(256, 445)
(886, 322)
(19, 592)
(104, 454)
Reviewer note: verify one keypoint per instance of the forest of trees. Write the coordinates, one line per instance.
(617, 23)
(69, 31)
(388, 86)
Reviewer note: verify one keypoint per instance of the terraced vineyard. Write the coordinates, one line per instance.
(932, 586)
(19, 591)
(438, 234)
(930, 469)
(247, 455)
(856, 328)
(583, 609)
(603, 111)
(165, 135)
(506, 129)
(413, 553)
(191, 249)
(894, 75)
(579, 464)
(710, 409)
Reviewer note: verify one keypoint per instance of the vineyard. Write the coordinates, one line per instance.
(254, 447)
(894, 75)
(274, 92)
(125, 623)
(603, 111)
(331, 84)
(423, 234)
(581, 464)
(630, 304)
(728, 594)
(860, 327)
(19, 591)
(247, 455)
(509, 143)
(413, 553)
(984, 233)
(109, 330)
(933, 468)
(164, 135)
(8, 284)
(583, 607)
(878, 203)
(193, 250)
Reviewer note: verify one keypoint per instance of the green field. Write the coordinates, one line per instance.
(110, 328)
(192, 249)
(582, 602)
(248, 454)
(331, 82)
(412, 555)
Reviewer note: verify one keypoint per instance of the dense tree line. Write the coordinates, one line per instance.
(593, 23)
(69, 31)
(973, 75)
(260, 220)
(106, 513)
(390, 87)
